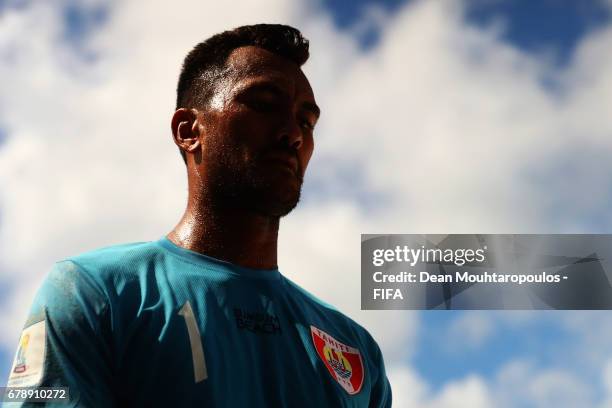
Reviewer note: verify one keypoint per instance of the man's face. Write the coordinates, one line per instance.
(257, 133)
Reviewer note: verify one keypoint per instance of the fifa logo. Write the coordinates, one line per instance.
(20, 361)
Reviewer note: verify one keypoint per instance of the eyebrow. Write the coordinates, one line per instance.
(263, 87)
(313, 108)
(277, 90)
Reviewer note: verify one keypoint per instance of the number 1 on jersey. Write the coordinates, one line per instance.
(197, 351)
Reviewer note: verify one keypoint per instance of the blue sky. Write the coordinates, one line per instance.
(70, 58)
(442, 363)
(532, 26)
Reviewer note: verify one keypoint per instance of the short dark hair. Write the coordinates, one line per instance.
(204, 64)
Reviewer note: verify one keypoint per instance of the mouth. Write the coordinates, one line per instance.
(282, 160)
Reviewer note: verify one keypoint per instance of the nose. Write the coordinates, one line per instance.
(291, 134)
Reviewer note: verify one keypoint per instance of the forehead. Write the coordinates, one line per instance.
(253, 64)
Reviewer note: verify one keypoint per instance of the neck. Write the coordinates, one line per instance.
(233, 235)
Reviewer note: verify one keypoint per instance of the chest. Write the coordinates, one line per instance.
(241, 349)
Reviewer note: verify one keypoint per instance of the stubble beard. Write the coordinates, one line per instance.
(240, 186)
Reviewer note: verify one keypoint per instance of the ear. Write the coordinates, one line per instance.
(186, 130)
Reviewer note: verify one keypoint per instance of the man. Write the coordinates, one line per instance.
(203, 317)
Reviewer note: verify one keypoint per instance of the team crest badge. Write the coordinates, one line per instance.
(343, 362)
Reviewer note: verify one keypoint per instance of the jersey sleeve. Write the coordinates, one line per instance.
(381, 390)
(65, 341)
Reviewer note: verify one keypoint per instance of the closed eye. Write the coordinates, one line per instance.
(307, 125)
(262, 105)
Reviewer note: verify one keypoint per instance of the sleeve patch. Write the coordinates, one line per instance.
(28, 366)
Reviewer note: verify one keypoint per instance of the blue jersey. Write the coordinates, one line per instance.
(153, 324)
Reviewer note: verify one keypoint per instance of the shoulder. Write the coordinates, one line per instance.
(86, 284)
(112, 265)
(95, 276)
(332, 326)
(116, 257)
(329, 314)
(91, 268)
(308, 298)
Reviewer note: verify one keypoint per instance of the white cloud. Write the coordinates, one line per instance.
(559, 389)
(468, 392)
(517, 384)
(607, 380)
(520, 383)
(410, 391)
